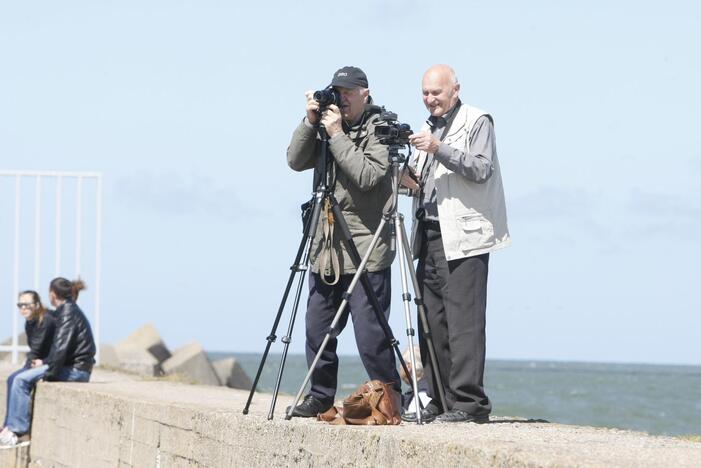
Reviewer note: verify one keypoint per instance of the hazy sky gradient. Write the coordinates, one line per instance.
(187, 109)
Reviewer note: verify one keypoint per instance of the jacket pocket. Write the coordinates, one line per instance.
(476, 232)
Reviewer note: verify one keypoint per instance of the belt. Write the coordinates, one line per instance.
(432, 225)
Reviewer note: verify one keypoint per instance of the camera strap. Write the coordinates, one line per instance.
(430, 159)
(328, 259)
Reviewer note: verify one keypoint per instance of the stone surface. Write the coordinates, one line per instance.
(231, 374)
(192, 363)
(145, 338)
(15, 457)
(117, 421)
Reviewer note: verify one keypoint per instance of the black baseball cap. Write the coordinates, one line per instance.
(350, 77)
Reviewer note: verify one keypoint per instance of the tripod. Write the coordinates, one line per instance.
(398, 236)
(322, 194)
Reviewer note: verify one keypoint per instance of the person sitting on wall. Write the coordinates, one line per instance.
(39, 327)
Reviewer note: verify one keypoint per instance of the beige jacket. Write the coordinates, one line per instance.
(472, 215)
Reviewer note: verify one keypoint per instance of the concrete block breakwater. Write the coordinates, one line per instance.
(120, 420)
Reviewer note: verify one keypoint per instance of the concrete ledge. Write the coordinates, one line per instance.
(16, 457)
(119, 421)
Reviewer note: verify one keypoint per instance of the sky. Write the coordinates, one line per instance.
(187, 108)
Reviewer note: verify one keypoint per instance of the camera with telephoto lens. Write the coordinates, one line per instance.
(392, 132)
(327, 96)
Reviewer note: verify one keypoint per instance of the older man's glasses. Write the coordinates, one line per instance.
(25, 305)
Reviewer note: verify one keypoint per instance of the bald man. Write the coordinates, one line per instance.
(460, 217)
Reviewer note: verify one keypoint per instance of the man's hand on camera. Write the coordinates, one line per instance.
(331, 120)
(312, 108)
(424, 141)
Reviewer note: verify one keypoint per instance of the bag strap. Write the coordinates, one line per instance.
(329, 257)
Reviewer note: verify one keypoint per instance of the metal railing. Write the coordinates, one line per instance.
(39, 180)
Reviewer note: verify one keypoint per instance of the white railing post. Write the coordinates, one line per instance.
(23, 249)
(15, 283)
(37, 233)
(78, 222)
(57, 248)
(98, 264)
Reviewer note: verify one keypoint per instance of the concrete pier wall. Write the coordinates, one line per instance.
(120, 421)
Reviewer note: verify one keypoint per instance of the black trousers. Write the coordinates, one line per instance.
(375, 350)
(455, 294)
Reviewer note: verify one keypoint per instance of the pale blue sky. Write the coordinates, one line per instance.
(187, 109)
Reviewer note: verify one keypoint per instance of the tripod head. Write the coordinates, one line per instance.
(393, 132)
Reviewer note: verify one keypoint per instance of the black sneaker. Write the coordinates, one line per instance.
(456, 415)
(428, 414)
(310, 407)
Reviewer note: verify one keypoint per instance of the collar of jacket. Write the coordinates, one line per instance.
(360, 128)
(458, 122)
(445, 119)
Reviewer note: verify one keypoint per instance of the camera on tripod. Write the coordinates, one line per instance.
(392, 132)
(327, 96)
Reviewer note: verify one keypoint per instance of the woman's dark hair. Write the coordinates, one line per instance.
(41, 310)
(66, 290)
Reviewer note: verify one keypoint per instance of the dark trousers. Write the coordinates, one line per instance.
(455, 294)
(373, 346)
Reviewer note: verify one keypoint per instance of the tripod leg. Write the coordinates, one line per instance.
(333, 328)
(286, 340)
(297, 267)
(406, 298)
(364, 281)
(272, 337)
(422, 312)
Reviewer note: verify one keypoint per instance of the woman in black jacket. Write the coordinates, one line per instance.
(39, 328)
(72, 353)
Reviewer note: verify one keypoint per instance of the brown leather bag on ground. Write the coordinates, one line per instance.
(374, 403)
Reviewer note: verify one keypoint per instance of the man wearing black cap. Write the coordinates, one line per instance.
(361, 185)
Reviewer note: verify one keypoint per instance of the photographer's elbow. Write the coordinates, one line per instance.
(295, 162)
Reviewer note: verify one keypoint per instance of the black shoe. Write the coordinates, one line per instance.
(456, 415)
(310, 407)
(428, 414)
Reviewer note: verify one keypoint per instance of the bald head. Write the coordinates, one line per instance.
(440, 89)
(442, 71)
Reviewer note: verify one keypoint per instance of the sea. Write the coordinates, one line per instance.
(657, 399)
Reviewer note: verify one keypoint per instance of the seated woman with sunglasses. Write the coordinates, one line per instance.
(39, 327)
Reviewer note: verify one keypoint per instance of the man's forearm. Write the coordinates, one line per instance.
(475, 164)
(474, 167)
(301, 152)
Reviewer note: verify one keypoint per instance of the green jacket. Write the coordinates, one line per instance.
(362, 188)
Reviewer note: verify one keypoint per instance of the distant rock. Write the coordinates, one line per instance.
(145, 338)
(191, 362)
(232, 374)
(143, 352)
(108, 356)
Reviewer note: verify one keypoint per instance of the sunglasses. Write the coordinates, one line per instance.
(25, 305)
